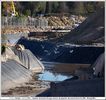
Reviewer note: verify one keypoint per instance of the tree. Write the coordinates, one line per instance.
(79, 8)
(33, 8)
(55, 7)
(48, 7)
(63, 7)
(40, 7)
(28, 12)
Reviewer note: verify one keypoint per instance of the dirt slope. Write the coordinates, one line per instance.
(91, 30)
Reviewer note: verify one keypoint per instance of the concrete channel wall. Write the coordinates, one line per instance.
(29, 60)
(18, 68)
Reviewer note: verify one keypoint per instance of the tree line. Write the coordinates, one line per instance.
(31, 8)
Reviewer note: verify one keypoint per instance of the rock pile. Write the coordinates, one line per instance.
(65, 21)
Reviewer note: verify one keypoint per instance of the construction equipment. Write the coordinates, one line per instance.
(14, 13)
(9, 8)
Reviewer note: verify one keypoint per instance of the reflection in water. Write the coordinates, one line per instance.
(50, 76)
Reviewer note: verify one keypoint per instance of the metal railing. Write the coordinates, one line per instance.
(23, 22)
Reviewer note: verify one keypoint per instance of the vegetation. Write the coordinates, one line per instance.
(35, 8)
(3, 48)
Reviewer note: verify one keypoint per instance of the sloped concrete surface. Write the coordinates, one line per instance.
(13, 74)
(17, 67)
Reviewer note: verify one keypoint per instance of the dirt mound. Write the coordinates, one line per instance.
(90, 31)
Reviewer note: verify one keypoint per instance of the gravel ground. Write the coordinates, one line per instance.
(32, 88)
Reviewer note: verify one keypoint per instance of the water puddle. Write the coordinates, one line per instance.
(50, 76)
(55, 72)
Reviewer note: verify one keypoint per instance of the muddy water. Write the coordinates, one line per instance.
(59, 71)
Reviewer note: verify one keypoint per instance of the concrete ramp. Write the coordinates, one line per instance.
(13, 74)
(29, 60)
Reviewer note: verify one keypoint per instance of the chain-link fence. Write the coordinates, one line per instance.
(24, 22)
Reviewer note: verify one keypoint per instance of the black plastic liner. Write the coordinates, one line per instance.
(47, 51)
